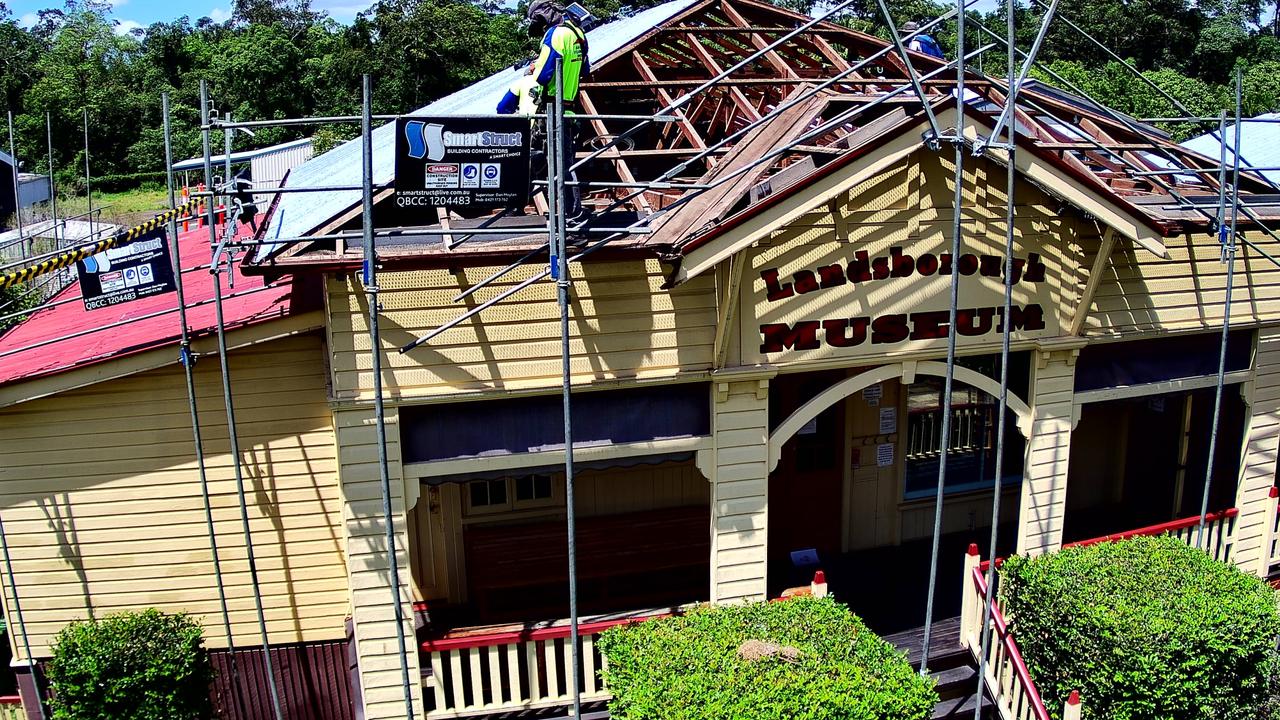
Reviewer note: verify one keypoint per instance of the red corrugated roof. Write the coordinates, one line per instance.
(63, 337)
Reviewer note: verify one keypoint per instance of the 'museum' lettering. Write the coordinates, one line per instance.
(890, 329)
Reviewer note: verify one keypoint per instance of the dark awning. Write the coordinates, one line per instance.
(1148, 361)
(490, 428)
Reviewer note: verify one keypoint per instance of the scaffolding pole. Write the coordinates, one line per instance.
(375, 352)
(1007, 112)
(557, 136)
(753, 57)
(957, 230)
(1184, 203)
(825, 127)
(188, 367)
(88, 185)
(53, 191)
(232, 435)
(1228, 238)
(911, 73)
(1011, 173)
(22, 627)
(17, 186)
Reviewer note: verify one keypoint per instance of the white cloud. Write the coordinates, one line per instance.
(28, 20)
(220, 14)
(124, 27)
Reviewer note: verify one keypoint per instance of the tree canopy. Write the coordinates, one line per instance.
(280, 58)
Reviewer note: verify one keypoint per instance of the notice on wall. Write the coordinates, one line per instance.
(458, 163)
(884, 454)
(872, 394)
(888, 420)
(141, 269)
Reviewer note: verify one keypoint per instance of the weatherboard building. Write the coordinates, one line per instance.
(757, 383)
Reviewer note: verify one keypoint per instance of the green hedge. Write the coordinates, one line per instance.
(136, 665)
(1145, 629)
(688, 667)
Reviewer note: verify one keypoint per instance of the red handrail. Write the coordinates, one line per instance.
(1166, 527)
(1002, 630)
(1170, 526)
(509, 637)
(11, 700)
(526, 634)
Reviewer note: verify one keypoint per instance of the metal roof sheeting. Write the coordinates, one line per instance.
(300, 213)
(197, 163)
(1259, 144)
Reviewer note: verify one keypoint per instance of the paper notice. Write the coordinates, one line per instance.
(888, 421)
(884, 454)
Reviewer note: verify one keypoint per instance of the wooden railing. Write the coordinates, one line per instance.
(1219, 533)
(477, 671)
(11, 708)
(1271, 540)
(1007, 678)
(486, 670)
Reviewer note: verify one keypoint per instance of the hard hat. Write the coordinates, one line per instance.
(544, 13)
(909, 27)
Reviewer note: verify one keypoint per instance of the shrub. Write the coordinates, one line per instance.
(1145, 629)
(134, 665)
(16, 298)
(689, 667)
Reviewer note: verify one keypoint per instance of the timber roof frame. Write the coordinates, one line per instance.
(1082, 141)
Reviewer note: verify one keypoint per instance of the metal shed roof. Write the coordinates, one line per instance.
(1259, 144)
(300, 213)
(197, 163)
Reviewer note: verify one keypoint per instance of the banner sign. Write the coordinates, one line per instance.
(461, 163)
(138, 270)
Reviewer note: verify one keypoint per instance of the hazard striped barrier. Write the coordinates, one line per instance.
(75, 255)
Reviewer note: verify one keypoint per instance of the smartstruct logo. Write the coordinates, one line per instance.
(430, 141)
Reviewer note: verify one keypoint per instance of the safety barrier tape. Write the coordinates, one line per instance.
(75, 255)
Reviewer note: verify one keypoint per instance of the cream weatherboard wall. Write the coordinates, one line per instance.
(803, 273)
(1140, 292)
(623, 325)
(1043, 503)
(103, 512)
(1258, 469)
(373, 612)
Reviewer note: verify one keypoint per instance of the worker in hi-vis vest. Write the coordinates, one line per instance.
(523, 97)
(562, 40)
(531, 93)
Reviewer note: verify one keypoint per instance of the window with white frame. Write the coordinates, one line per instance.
(512, 493)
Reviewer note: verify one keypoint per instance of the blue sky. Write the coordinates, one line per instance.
(140, 13)
(130, 14)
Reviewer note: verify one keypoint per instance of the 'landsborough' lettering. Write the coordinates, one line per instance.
(897, 265)
(889, 329)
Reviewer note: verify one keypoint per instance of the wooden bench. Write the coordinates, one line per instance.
(508, 557)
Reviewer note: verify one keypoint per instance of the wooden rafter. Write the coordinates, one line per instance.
(686, 128)
(735, 93)
(619, 164)
(772, 56)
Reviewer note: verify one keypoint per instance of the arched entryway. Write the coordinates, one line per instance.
(853, 460)
(907, 371)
